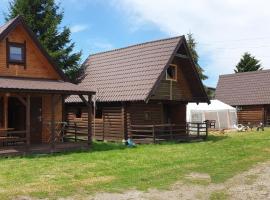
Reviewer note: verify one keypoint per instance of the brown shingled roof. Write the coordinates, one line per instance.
(128, 74)
(41, 85)
(248, 88)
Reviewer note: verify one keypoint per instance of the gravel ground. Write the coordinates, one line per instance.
(253, 184)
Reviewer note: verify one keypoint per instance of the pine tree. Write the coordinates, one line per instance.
(248, 63)
(44, 19)
(192, 47)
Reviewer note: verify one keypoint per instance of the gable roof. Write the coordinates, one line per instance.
(130, 73)
(248, 88)
(12, 24)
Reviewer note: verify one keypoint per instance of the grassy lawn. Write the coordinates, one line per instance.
(112, 167)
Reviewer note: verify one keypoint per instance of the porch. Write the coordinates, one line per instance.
(32, 119)
(168, 132)
(60, 147)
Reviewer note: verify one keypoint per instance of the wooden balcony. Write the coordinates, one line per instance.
(168, 132)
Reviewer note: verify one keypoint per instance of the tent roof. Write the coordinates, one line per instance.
(214, 105)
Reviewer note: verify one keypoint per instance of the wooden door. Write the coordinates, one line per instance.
(36, 120)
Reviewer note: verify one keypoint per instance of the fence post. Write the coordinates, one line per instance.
(75, 126)
(206, 130)
(198, 129)
(171, 136)
(154, 135)
(187, 129)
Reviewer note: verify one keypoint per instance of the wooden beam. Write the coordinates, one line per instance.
(181, 56)
(21, 99)
(52, 123)
(6, 111)
(28, 125)
(85, 101)
(124, 120)
(89, 121)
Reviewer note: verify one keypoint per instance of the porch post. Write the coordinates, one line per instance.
(28, 106)
(52, 123)
(6, 111)
(124, 121)
(89, 121)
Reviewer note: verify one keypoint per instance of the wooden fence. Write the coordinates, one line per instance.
(167, 132)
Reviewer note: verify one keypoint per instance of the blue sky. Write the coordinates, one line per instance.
(223, 29)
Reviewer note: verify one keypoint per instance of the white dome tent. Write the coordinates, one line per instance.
(224, 115)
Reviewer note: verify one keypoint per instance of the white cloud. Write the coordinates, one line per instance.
(78, 28)
(224, 29)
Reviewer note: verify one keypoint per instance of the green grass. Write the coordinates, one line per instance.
(112, 167)
(219, 195)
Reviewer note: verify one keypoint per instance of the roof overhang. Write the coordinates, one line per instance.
(44, 86)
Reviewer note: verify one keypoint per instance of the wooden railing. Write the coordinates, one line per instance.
(167, 132)
(12, 138)
(76, 131)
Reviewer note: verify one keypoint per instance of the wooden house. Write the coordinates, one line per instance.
(142, 91)
(249, 92)
(32, 90)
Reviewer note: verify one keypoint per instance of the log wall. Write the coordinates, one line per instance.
(253, 114)
(111, 127)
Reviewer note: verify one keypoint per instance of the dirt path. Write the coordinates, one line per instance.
(253, 184)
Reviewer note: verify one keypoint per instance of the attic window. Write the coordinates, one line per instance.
(16, 53)
(171, 73)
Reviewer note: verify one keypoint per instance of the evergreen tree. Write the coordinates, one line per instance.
(44, 19)
(192, 47)
(248, 63)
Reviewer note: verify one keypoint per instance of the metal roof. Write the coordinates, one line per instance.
(248, 88)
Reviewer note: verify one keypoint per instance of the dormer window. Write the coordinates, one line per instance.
(171, 73)
(16, 53)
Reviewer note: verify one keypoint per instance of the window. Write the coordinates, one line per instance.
(78, 113)
(171, 73)
(99, 113)
(16, 53)
(147, 115)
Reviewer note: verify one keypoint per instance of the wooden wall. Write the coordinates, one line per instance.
(174, 90)
(253, 114)
(111, 126)
(46, 115)
(37, 66)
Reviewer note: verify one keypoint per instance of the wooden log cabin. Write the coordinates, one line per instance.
(32, 92)
(142, 92)
(249, 92)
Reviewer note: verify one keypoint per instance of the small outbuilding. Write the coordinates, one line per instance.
(249, 93)
(222, 114)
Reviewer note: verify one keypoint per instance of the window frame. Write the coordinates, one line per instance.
(167, 76)
(11, 61)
